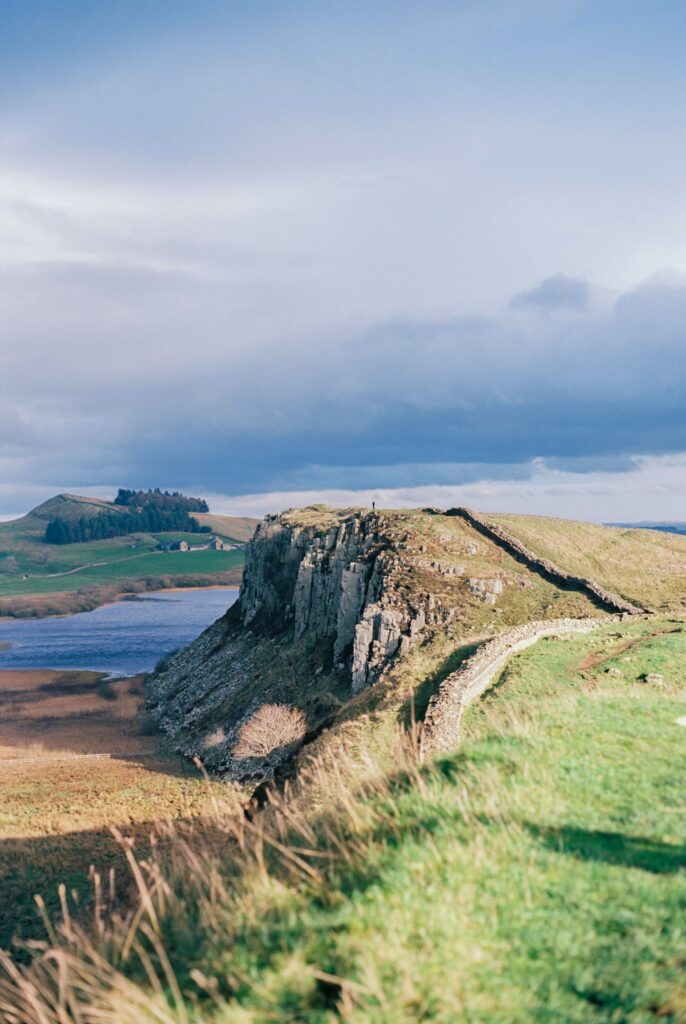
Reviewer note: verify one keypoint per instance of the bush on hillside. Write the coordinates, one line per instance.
(272, 727)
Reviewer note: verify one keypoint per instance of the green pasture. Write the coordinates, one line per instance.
(30, 566)
(538, 874)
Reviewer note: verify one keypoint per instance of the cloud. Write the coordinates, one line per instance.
(554, 293)
(645, 489)
(407, 402)
(275, 252)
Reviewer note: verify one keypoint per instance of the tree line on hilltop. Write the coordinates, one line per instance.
(171, 500)
(142, 512)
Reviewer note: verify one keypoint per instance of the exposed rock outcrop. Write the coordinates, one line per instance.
(319, 617)
(486, 590)
(335, 586)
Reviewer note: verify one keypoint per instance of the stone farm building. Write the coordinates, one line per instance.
(215, 544)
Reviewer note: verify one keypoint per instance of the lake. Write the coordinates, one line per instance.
(123, 638)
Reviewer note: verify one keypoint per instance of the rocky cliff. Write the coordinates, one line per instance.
(318, 617)
(329, 601)
(330, 583)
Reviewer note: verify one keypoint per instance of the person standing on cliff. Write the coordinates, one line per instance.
(373, 506)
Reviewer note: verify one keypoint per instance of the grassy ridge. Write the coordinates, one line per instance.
(645, 566)
(535, 875)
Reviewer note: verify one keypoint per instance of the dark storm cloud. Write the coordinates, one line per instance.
(403, 403)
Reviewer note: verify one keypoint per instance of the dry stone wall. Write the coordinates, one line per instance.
(441, 729)
(606, 599)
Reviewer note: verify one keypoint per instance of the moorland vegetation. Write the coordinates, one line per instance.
(537, 872)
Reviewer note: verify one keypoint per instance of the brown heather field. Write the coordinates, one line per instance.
(58, 802)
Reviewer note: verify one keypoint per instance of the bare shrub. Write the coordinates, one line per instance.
(214, 738)
(106, 690)
(272, 727)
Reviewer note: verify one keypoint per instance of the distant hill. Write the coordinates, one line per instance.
(72, 506)
(38, 578)
(659, 526)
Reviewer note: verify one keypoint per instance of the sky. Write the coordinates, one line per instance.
(413, 252)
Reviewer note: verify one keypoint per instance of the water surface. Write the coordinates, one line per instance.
(122, 638)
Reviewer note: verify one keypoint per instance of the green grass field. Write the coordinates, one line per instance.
(536, 875)
(109, 561)
(31, 568)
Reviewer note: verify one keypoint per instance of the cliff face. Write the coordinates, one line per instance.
(329, 601)
(332, 584)
(318, 618)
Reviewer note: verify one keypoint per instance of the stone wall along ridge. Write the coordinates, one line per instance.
(441, 729)
(606, 599)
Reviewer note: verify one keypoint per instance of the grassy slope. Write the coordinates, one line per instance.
(533, 876)
(56, 815)
(536, 875)
(239, 528)
(644, 565)
(106, 563)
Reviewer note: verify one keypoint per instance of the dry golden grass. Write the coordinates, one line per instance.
(536, 874)
(220, 861)
(645, 566)
(58, 801)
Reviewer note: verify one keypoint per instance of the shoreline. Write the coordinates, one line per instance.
(47, 606)
(28, 695)
(101, 643)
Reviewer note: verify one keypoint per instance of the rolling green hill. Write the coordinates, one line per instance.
(38, 578)
(71, 506)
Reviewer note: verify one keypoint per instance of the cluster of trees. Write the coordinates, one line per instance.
(167, 500)
(142, 512)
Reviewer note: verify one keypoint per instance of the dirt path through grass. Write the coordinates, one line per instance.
(596, 658)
